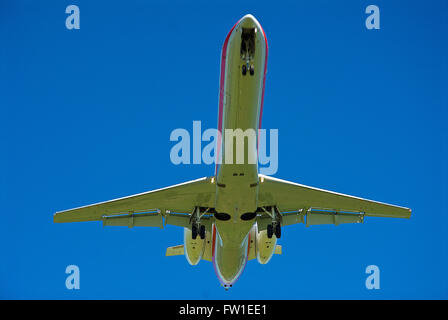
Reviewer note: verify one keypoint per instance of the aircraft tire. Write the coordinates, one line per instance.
(252, 70)
(202, 232)
(278, 230)
(194, 231)
(270, 231)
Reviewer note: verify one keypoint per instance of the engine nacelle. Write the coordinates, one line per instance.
(193, 248)
(265, 247)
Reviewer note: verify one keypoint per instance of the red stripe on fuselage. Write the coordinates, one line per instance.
(264, 76)
(215, 267)
(213, 240)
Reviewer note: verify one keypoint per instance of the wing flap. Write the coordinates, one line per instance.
(135, 220)
(324, 217)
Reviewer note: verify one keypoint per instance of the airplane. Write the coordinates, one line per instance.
(238, 214)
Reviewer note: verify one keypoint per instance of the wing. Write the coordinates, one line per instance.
(182, 197)
(319, 206)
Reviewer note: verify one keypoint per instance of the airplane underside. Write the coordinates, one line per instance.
(238, 214)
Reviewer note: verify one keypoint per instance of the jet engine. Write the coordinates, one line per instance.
(265, 247)
(193, 248)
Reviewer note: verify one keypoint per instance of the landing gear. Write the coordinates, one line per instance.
(195, 220)
(247, 50)
(194, 232)
(244, 68)
(202, 232)
(270, 231)
(278, 230)
(197, 230)
(274, 227)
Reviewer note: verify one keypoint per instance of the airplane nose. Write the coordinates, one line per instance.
(248, 21)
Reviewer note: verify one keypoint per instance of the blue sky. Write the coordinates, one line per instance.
(87, 114)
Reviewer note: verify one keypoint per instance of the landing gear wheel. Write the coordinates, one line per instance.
(270, 231)
(252, 70)
(194, 232)
(202, 232)
(244, 69)
(278, 230)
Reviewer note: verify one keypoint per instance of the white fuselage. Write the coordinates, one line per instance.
(240, 107)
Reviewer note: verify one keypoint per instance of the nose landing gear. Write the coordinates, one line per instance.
(247, 50)
(245, 67)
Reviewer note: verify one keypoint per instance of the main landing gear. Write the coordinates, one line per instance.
(274, 227)
(198, 230)
(196, 227)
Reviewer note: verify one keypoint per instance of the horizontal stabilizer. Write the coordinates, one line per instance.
(278, 249)
(175, 251)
